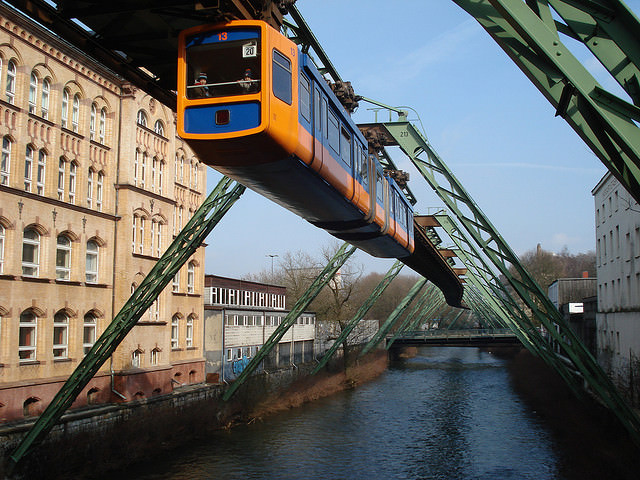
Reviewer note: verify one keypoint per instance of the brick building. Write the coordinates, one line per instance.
(94, 183)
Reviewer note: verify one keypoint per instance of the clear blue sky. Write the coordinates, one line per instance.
(526, 169)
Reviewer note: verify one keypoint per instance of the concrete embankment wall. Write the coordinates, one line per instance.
(92, 441)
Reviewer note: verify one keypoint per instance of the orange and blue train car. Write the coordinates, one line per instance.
(255, 108)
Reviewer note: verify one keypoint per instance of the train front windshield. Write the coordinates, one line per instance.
(223, 63)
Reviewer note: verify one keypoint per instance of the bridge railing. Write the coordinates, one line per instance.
(443, 333)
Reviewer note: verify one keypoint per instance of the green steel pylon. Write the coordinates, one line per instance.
(430, 295)
(529, 34)
(362, 311)
(183, 246)
(391, 320)
(323, 278)
(496, 249)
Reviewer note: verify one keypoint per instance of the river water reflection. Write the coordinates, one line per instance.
(449, 413)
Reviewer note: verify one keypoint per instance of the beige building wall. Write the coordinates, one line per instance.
(94, 185)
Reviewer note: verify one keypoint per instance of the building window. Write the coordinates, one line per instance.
(191, 274)
(189, 334)
(11, 82)
(160, 176)
(158, 239)
(175, 331)
(27, 336)
(33, 92)
(143, 166)
(175, 284)
(5, 161)
(88, 332)
(40, 174)
(92, 121)
(64, 117)
(2, 233)
(46, 88)
(136, 359)
(155, 356)
(159, 128)
(61, 165)
(154, 167)
(75, 112)
(30, 252)
(102, 126)
(91, 272)
(141, 236)
(73, 167)
(63, 258)
(100, 187)
(60, 335)
(154, 311)
(28, 168)
(141, 119)
(134, 231)
(90, 188)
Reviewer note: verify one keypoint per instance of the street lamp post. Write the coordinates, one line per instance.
(272, 257)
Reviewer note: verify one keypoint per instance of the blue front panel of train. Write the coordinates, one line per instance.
(242, 116)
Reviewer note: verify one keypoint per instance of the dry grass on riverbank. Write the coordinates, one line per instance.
(323, 384)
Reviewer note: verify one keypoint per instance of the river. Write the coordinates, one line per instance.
(448, 413)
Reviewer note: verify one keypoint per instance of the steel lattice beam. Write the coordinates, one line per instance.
(364, 308)
(323, 278)
(183, 246)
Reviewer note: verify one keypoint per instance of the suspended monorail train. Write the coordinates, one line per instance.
(255, 108)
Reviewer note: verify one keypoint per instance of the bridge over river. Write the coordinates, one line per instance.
(457, 338)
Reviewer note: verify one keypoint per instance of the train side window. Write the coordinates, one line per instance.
(305, 98)
(379, 192)
(392, 204)
(281, 77)
(332, 131)
(345, 147)
(317, 110)
(364, 170)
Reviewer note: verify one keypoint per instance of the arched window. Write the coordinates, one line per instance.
(92, 121)
(64, 116)
(33, 92)
(5, 165)
(154, 311)
(90, 176)
(136, 358)
(160, 176)
(175, 284)
(196, 167)
(159, 128)
(27, 336)
(28, 168)
(100, 187)
(63, 258)
(75, 112)
(2, 233)
(61, 169)
(60, 335)
(136, 166)
(30, 252)
(31, 407)
(191, 275)
(40, 174)
(141, 119)
(189, 332)
(10, 89)
(46, 88)
(88, 332)
(155, 356)
(154, 168)
(73, 167)
(175, 331)
(143, 169)
(158, 239)
(91, 272)
(102, 129)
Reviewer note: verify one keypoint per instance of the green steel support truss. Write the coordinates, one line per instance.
(362, 311)
(303, 302)
(183, 246)
(530, 36)
(430, 300)
(496, 249)
(393, 318)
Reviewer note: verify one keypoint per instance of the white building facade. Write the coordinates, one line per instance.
(617, 219)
